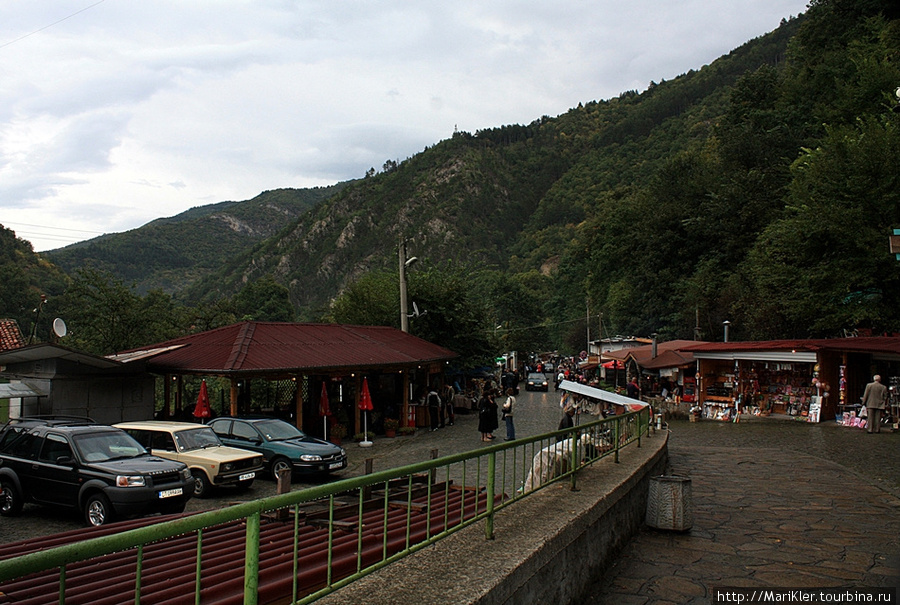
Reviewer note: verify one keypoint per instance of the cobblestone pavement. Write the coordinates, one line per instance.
(776, 504)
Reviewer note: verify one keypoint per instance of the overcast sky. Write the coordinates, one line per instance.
(117, 112)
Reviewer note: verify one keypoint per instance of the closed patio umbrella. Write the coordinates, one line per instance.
(365, 405)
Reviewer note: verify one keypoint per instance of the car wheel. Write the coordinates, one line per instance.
(202, 485)
(10, 501)
(280, 464)
(97, 510)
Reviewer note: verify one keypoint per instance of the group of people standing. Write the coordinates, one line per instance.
(488, 409)
(440, 407)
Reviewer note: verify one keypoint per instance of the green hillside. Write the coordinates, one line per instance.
(693, 199)
(172, 253)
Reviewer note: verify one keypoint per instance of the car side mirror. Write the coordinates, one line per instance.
(65, 461)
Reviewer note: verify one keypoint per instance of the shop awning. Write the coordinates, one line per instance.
(601, 395)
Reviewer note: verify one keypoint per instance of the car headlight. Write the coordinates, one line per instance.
(310, 458)
(227, 466)
(130, 481)
(343, 453)
(186, 474)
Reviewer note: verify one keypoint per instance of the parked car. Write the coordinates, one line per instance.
(212, 463)
(78, 464)
(283, 445)
(536, 382)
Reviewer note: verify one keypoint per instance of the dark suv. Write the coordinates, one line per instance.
(78, 464)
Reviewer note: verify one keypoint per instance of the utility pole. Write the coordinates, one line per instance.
(404, 316)
(588, 324)
(404, 264)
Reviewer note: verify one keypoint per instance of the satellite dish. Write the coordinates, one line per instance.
(416, 312)
(59, 327)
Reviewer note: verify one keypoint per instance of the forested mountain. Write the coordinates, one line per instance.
(759, 189)
(172, 253)
(24, 278)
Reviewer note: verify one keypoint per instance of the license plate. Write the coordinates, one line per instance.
(246, 476)
(334, 465)
(168, 493)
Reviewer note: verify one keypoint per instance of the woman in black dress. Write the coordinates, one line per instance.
(487, 416)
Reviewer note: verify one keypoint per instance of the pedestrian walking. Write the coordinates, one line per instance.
(633, 389)
(433, 401)
(507, 410)
(873, 399)
(447, 401)
(566, 422)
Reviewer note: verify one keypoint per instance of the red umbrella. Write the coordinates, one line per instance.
(365, 404)
(202, 409)
(365, 400)
(324, 410)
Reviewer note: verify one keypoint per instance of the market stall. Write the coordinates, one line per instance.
(808, 380)
(554, 460)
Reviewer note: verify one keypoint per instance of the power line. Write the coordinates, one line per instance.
(543, 325)
(6, 223)
(4, 45)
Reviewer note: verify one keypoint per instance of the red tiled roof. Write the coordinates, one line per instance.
(669, 354)
(267, 347)
(10, 335)
(867, 344)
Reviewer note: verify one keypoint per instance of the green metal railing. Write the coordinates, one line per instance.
(496, 476)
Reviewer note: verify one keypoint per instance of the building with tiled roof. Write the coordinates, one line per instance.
(10, 335)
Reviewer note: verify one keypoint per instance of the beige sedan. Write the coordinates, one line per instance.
(212, 464)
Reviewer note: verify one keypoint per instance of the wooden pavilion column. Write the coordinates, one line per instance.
(357, 388)
(404, 404)
(298, 401)
(167, 397)
(178, 384)
(234, 397)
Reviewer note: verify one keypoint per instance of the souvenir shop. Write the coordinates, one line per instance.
(760, 388)
(807, 380)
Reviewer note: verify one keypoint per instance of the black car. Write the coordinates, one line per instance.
(78, 464)
(536, 382)
(283, 445)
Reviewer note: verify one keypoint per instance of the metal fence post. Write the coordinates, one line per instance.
(251, 561)
(573, 458)
(617, 433)
(491, 478)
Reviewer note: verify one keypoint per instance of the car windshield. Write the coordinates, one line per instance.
(537, 377)
(277, 430)
(106, 446)
(196, 439)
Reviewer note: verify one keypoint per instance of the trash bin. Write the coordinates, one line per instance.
(669, 503)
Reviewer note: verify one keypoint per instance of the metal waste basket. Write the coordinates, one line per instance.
(669, 504)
